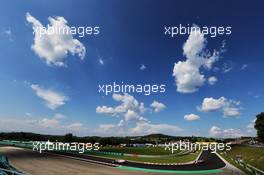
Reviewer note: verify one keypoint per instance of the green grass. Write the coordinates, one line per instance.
(138, 150)
(251, 155)
(236, 165)
(167, 159)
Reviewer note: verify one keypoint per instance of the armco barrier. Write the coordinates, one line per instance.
(250, 168)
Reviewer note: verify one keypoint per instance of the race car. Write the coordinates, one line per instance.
(199, 161)
(119, 161)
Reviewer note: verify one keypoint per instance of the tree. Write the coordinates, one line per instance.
(259, 126)
(68, 138)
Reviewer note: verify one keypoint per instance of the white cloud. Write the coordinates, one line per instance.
(211, 104)
(143, 128)
(75, 126)
(232, 133)
(227, 67)
(157, 106)
(251, 124)
(54, 47)
(244, 66)
(129, 108)
(215, 131)
(49, 123)
(142, 67)
(105, 110)
(131, 115)
(131, 111)
(187, 73)
(191, 117)
(231, 111)
(212, 80)
(250, 127)
(53, 122)
(229, 107)
(226, 133)
(52, 98)
(101, 61)
(8, 33)
(112, 129)
(43, 125)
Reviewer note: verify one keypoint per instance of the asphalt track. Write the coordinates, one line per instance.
(211, 161)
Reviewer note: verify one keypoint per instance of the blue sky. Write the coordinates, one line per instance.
(40, 96)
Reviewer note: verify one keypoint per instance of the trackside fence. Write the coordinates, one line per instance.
(249, 167)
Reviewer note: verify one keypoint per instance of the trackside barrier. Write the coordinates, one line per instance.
(105, 152)
(255, 170)
(250, 168)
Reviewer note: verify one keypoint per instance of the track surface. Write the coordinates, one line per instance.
(212, 161)
(35, 163)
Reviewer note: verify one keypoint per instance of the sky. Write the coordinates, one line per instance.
(50, 84)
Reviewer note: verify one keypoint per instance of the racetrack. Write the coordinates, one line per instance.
(51, 164)
(47, 164)
(212, 161)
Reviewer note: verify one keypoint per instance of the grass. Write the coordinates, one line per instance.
(251, 155)
(138, 150)
(166, 159)
(236, 165)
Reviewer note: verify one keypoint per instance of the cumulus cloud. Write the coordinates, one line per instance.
(105, 110)
(187, 73)
(229, 107)
(54, 47)
(157, 106)
(226, 133)
(211, 104)
(142, 67)
(231, 111)
(212, 80)
(52, 98)
(129, 107)
(191, 117)
(215, 131)
(131, 112)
